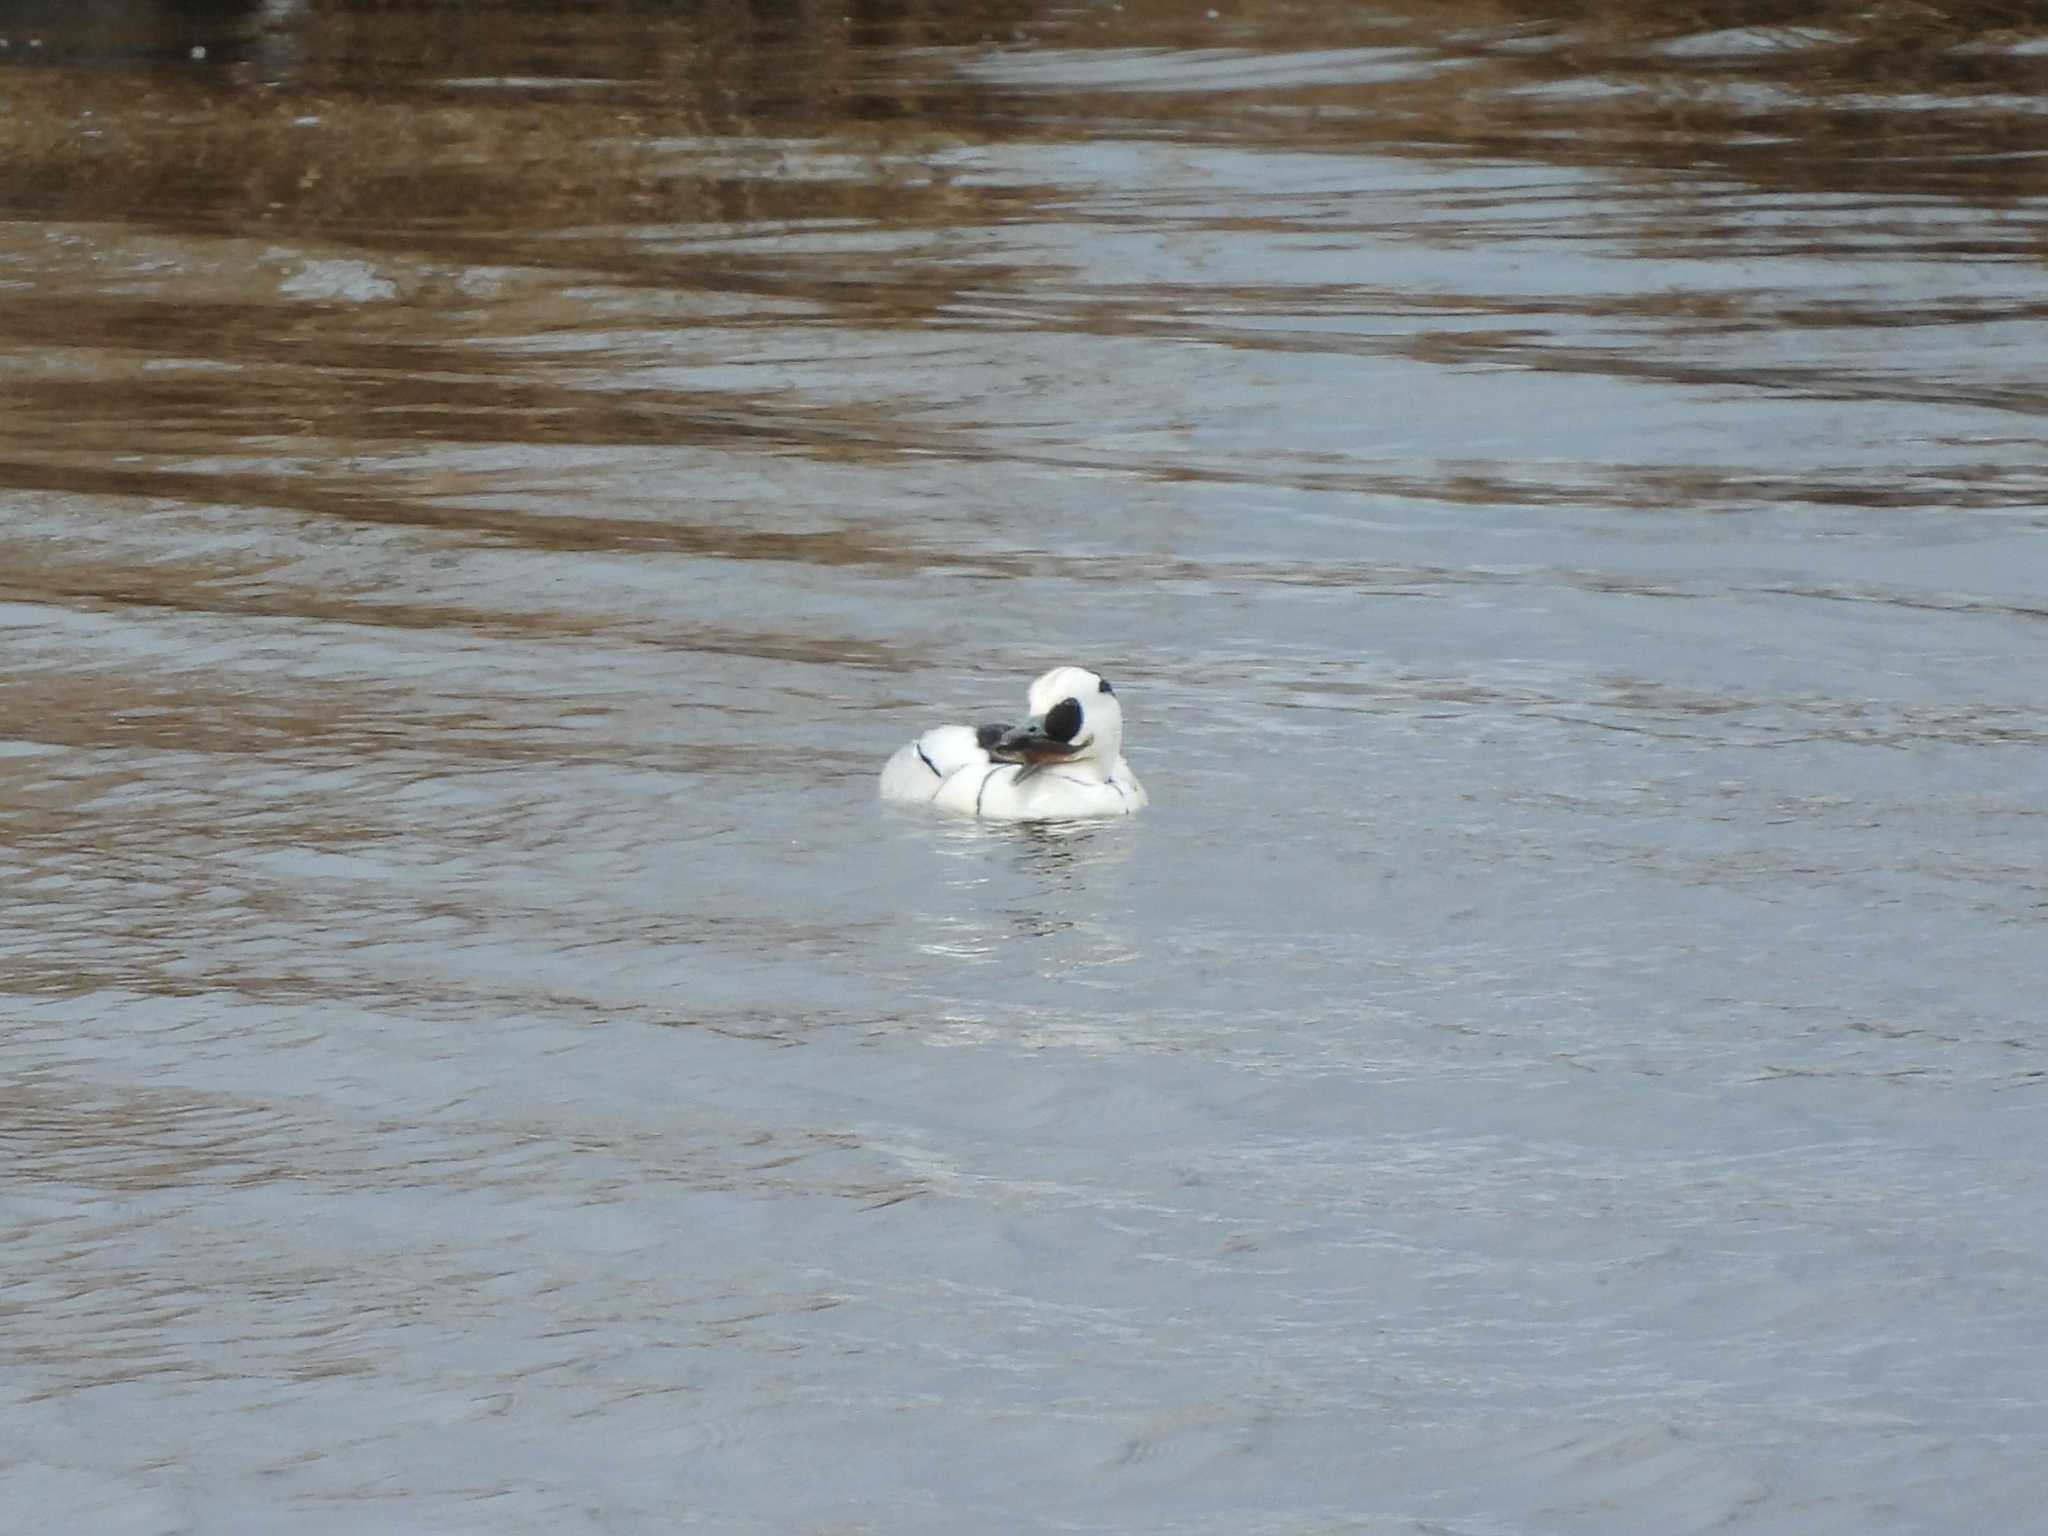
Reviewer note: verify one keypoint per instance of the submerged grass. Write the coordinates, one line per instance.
(494, 165)
(424, 122)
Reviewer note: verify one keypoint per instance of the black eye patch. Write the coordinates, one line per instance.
(1105, 688)
(1063, 720)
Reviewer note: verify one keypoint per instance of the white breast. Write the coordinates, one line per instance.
(1005, 792)
(946, 768)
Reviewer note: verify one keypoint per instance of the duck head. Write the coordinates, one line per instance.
(1075, 719)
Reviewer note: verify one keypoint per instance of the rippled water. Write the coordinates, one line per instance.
(481, 492)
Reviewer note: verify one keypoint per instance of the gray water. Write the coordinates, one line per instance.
(1563, 1053)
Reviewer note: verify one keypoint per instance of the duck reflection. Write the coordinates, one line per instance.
(1047, 879)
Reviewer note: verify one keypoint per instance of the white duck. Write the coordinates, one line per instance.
(1064, 762)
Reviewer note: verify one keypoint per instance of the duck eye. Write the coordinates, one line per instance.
(1104, 686)
(1063, 720)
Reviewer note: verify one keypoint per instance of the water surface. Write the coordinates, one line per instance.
(483, 489)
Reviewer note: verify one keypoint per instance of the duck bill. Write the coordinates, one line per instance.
(1028, 743)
